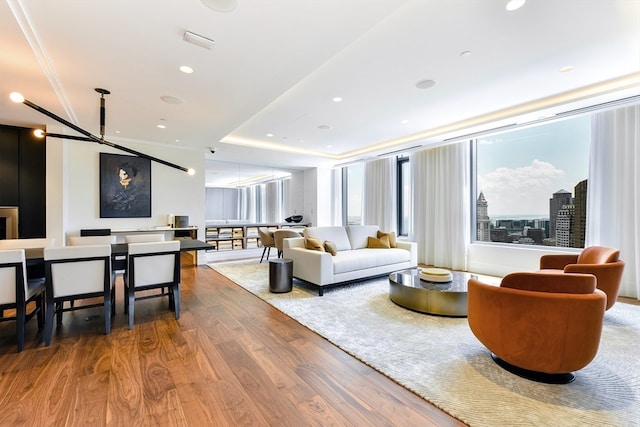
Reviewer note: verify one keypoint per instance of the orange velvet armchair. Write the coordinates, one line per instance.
(601, 261)
(541, 326)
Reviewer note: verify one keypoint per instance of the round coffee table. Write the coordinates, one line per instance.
(408, 290)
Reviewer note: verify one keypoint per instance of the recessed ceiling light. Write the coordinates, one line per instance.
(117, 131)
(186, 69)
(515, 4)
(404, 122)
(325, 127)
(465, 53)
(566, 68)
(269, 135)
(337, 99)
(426, 84)
(172, 99)
(161, 126)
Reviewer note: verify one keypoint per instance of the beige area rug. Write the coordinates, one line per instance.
(439, 358)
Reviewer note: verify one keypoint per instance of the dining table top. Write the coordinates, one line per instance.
(122, 249)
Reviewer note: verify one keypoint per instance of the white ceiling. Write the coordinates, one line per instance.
(277, 64)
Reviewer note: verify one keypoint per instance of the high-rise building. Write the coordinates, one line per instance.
(564, 226)
(482, 219)
(560, 198)
(580, 216)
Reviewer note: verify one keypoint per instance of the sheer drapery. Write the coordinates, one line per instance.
(247, 207)
(287, 202)
(379, 204)
(613, 191)
(273, 202)
(441, 207)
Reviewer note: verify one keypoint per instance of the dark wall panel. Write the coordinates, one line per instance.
(9, 166)
(32, 220)
(23, 178)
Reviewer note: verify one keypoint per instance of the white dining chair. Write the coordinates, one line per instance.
(153, 265)
(16, 292)
(77, 272)
(144, 238)
(90, 240)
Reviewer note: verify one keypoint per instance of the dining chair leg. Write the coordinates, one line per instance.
(263, 251)
(20, 321)
(40, 303)
(108, 308)
(59, 307)
(176, 300)
(48, 323)
(131, 300)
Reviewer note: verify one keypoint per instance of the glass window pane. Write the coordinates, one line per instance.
(354, 187)
(531, 184)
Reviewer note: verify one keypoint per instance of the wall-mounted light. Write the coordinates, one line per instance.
(18, 98)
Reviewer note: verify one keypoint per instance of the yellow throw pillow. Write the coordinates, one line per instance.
(390, 235)
(382, 242)
(313, 244)
(330, 247)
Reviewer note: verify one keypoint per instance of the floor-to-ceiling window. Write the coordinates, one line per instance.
(532, 184)
(404, 195)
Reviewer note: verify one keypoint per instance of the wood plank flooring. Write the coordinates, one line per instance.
(231, 360)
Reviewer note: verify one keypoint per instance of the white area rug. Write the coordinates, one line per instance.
(439, 358)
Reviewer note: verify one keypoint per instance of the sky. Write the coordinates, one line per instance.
(518, 171)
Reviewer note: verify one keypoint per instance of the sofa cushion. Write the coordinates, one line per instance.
(330, 247)
(313, 244)
(358, 235)
(361, 259)
(390, 235)
(337, 235)
(382, 242)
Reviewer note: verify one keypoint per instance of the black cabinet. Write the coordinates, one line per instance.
(23, 178)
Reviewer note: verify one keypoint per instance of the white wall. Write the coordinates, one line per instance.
(73, 188)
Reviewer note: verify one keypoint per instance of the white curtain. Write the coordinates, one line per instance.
(287, 202)
(247, 202)
(613, 198)
(336, 191)
(441, 205)
(380, 194)
(273, 202)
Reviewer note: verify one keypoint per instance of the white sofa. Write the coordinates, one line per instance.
(353, 259)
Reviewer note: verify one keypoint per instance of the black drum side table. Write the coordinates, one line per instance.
(280, 275)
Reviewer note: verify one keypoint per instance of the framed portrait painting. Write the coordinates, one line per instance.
(125, 186)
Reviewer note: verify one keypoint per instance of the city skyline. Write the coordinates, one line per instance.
(518, 171)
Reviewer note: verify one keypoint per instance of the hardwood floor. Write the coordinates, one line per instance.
(231, 359)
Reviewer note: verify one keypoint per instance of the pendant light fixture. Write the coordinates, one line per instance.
(18, 98)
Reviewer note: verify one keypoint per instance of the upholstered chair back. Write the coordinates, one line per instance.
(598, 255)
(91, 240)
(10, 261)
(144, 238)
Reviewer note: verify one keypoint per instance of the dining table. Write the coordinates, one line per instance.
(35, 256)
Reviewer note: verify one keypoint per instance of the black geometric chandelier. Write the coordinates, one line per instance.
(88, 136)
